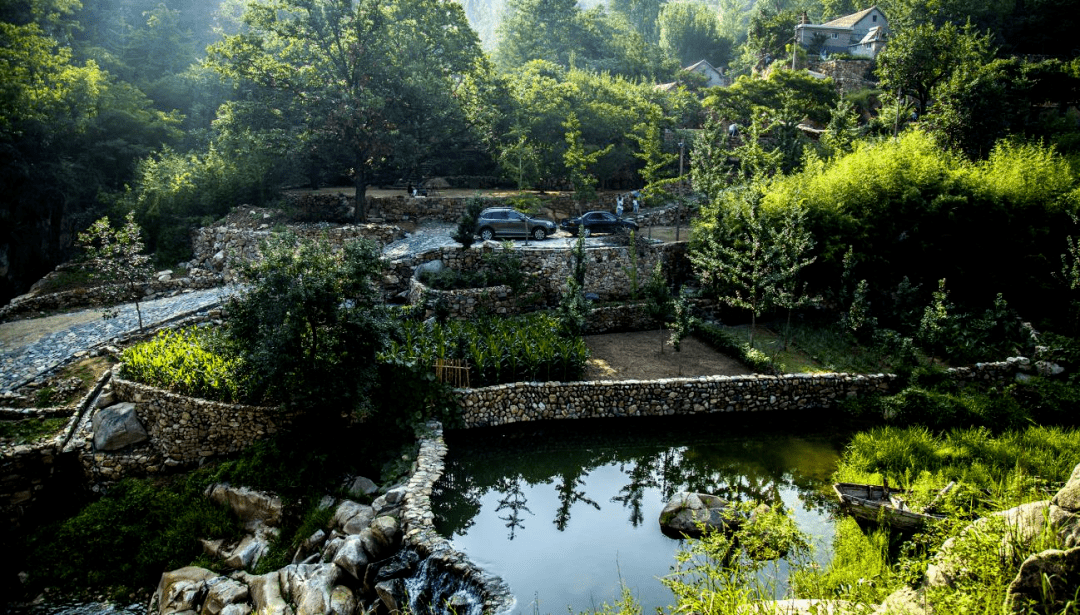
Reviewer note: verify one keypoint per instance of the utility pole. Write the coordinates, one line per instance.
(678, 201)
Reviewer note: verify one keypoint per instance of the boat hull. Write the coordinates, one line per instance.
(875, 503)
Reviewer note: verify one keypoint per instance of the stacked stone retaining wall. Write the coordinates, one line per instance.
(419, 533)
(187, 430)
(848, 75)
(609, 273)
(222, 249)
(537, 401)
(32, 304)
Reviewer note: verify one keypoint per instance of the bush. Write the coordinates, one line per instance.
(310, 324)
(127, 538)
(967, 407)
(724, 342)
(194, 361)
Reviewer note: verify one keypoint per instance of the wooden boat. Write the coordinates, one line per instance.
(882, 504)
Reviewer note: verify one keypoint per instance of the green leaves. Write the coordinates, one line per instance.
(497, 350)
(192, 361)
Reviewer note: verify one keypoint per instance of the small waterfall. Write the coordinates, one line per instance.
(446, 585)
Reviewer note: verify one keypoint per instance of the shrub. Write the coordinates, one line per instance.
(193, 361)
(311, 322)
(124, 540)
(724, 342)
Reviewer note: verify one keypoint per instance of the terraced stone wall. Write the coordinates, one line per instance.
(535, 401)
(221, 249)
(186, 430)
(608, 275)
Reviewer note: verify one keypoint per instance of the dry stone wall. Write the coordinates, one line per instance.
(32, 304)
(534, 401)
(418, 526)
(222, 249)
(849, 75)
(608, 275)
(186, 430)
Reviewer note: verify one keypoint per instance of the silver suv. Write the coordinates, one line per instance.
(507, 222)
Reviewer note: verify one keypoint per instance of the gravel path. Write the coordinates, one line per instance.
(30, 348)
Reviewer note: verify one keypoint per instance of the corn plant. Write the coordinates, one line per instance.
(525, 348)
(189, 362)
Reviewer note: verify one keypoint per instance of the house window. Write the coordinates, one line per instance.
(875, 18)
(835, 35)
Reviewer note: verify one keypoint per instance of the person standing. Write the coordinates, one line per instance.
(619, 206)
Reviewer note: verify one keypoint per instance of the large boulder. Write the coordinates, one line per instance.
(310, 587)
(1069, 495)
(266, 593)
(226, 594)
(1048, 580)
(252, 507)
(693, 514)
(352, 557)
(117, 427)
(352, 517)
(182, 590)
(1023, 525)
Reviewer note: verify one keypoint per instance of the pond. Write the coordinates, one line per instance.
(566, 512)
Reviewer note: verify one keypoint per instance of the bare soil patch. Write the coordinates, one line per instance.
(637, 356)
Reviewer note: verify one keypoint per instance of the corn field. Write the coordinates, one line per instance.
(529, 348)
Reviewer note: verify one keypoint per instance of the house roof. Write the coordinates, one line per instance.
(849, 21)
(701, 64)
(874, 35)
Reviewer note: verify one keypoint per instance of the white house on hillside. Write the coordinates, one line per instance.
(861, 34)
(713, 76)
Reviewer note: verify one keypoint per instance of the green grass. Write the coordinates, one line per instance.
(30, 430)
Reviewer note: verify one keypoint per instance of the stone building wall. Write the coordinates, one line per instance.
(186, 430)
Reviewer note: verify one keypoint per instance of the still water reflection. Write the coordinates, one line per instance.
(567, 511)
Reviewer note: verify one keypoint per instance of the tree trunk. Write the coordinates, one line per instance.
(360, 183)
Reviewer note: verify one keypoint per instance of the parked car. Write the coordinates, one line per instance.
(507, 222)
(592, 222)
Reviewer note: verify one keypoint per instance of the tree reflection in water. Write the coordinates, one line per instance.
(743, 464)
(568, 496)
(513, 500)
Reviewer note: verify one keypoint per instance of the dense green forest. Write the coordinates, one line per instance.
(178, 110)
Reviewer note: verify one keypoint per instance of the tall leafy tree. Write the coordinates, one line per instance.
(643, 16)
(733, 256)
(538, 30)
(917, 59)
(365, 74)
(690, 32)
(69, 133)
(579, 159)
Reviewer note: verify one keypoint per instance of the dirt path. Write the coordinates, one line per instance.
(637, 356)
(24, 332)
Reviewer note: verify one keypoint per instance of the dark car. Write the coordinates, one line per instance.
(592, 222)
(506, 222)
